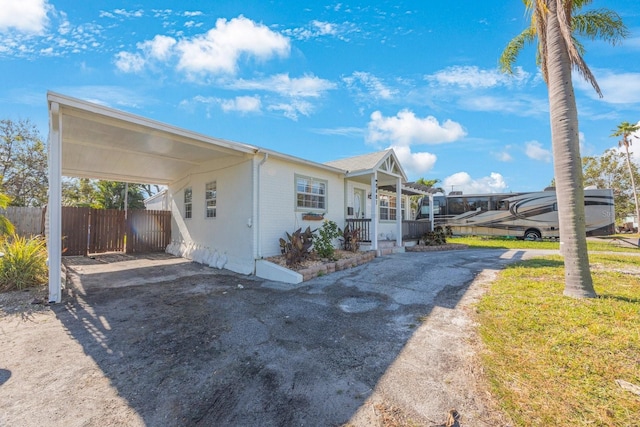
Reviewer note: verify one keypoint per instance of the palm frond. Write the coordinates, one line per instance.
(513, 49)
(603, 24)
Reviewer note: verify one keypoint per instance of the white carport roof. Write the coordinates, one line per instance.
(92, 141)
(100, 142)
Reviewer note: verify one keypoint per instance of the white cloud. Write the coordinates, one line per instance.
(503, 156)
(414, 163)
(129, 62)
(194, 13)
(316, 29)
(518, 105)
(475, 78)
(25, 16)
(243, 104)
(406, 129)
(342, 131)
(534, 150)
(160, 47)
(462, 181)
(308, 86)
(617, 88)
(129, 13)
(219, 50)
(293, 109)
(373, 86)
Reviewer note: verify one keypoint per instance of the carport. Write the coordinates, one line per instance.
(87, 140)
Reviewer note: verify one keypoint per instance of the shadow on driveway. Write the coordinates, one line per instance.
(186, 345)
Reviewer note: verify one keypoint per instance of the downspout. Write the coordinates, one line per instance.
(257, 207)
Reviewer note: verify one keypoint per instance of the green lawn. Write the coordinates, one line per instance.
(552, 360)
(603, 244)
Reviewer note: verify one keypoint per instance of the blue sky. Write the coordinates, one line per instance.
(322, 80)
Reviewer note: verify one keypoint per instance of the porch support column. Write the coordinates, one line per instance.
(54, 209)
(431, 211)
(399, 217)
(374, 211)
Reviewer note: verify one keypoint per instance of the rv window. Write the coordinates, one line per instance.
(456, 206)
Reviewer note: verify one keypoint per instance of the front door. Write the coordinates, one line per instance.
(358, 203)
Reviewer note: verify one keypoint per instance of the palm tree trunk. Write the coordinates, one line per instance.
(633, 182)
(567, 163)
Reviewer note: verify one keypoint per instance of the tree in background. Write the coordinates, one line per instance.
(80, 192)
(555, 25)
(23, 163)
(609, 170)
(428, 183)
(102, 194)
(626, 131)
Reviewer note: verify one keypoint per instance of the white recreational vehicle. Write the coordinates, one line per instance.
(523, 215)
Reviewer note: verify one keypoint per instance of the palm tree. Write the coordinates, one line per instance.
(626, 130)
(555, 23)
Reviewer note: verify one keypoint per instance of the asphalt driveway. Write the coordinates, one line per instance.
(159, 341)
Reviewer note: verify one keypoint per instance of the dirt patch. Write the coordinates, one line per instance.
(24, 303)
(314, 262)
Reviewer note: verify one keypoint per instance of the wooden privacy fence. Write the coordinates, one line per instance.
(27, 221)
(89, 231)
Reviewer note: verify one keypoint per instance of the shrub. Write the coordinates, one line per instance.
(297, 247)
(350, 239)
(323, 241)
(24, 263)
(436, 237)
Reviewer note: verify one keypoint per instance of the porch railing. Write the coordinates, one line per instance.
(362, 224)
(410, 229)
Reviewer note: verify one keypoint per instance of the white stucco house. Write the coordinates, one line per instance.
(232, 198)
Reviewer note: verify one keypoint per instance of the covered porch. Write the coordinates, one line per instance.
(377, 200)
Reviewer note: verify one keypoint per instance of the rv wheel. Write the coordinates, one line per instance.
(532, 234)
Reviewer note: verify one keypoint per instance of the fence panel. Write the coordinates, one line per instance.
(148, 230)
(415, 229)
(107, 231)
(75, 230)
(28, 221)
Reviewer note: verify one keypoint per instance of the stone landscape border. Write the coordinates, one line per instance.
(333, 266)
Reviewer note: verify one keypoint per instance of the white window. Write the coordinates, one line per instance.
(387, 206)
(311, 193)
(210, 198)
(188, 203)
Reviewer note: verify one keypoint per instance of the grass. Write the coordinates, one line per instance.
(552, 360)
(24, 263)
(607, 244)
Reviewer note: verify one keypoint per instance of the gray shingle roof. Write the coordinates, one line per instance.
(358, 163)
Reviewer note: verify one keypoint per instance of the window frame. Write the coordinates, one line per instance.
(390, 208)
(214, 199)
(311, 182)
(188, 205)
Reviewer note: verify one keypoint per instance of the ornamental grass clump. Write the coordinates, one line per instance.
(24, 263)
